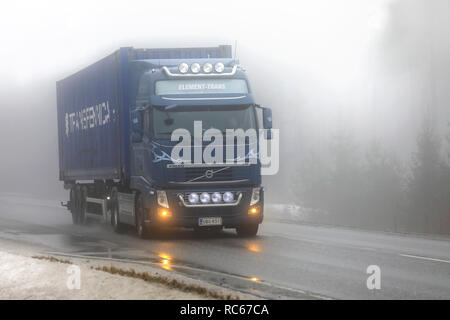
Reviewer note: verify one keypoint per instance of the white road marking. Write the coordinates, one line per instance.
(270, 234)
(318, 241)
(424, 258)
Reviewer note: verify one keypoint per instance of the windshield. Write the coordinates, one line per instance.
(221, 118)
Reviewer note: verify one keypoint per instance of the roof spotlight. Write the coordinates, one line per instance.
(219, 67)
(195, 67)
(207, 67)
(183, 67)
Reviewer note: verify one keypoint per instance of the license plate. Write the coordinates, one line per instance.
(213, 221)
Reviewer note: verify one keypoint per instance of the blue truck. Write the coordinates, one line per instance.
(116, 120)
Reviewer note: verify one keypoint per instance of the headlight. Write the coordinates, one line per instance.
(205, 197)
(219, 67)
(228, 197)
(162, 198)
(255, 196)
(207, 67)
(193, 198)
(195, 67)
(183, 67)
(216, 197)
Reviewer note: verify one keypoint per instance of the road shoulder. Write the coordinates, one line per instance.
(28, 272)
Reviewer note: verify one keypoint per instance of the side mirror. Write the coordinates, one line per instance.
(267, 122)
(136, 126)
(267, 118)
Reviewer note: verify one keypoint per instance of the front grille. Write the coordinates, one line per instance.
(204, 174)
(212, 174)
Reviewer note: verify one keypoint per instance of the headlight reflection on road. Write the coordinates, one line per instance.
(165, 261)
(165, 256)
(255, 279)
(253, 247)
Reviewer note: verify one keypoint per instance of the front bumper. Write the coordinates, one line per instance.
(188, 217)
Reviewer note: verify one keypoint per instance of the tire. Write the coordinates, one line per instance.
(82, 219)
(247, 231)
(74, 205)
(141, 230)
(77, 210)
(115, 218)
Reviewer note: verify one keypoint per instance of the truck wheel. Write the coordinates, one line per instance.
(248, 230)
(142, 231)
(115, 220)
(74, 205)
(77, 209)
(82, 206)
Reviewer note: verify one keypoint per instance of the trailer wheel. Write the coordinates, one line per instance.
(78, 202)
(142, 231)
(74, 205)
(248, 230)
(83, 206)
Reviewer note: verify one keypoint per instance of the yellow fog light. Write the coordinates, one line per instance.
(253, 210)
(164, 213)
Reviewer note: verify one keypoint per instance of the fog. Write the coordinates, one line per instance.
(359, 91)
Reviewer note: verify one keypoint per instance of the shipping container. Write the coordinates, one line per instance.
(93, 110)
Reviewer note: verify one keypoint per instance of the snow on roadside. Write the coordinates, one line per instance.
(26, 277)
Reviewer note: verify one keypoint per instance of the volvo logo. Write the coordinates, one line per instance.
(209, 174)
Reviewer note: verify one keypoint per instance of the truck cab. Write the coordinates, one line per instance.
(193, 192)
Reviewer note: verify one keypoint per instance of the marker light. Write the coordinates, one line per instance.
(253, 211)
(216, 197)
(195, 67)
(207, 67)
(183, 67)
(163, 213)
(193, 198)
(205, 197)
(219, 67)
(228, 197)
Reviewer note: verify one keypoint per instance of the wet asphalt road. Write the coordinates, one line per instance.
(285, 261)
